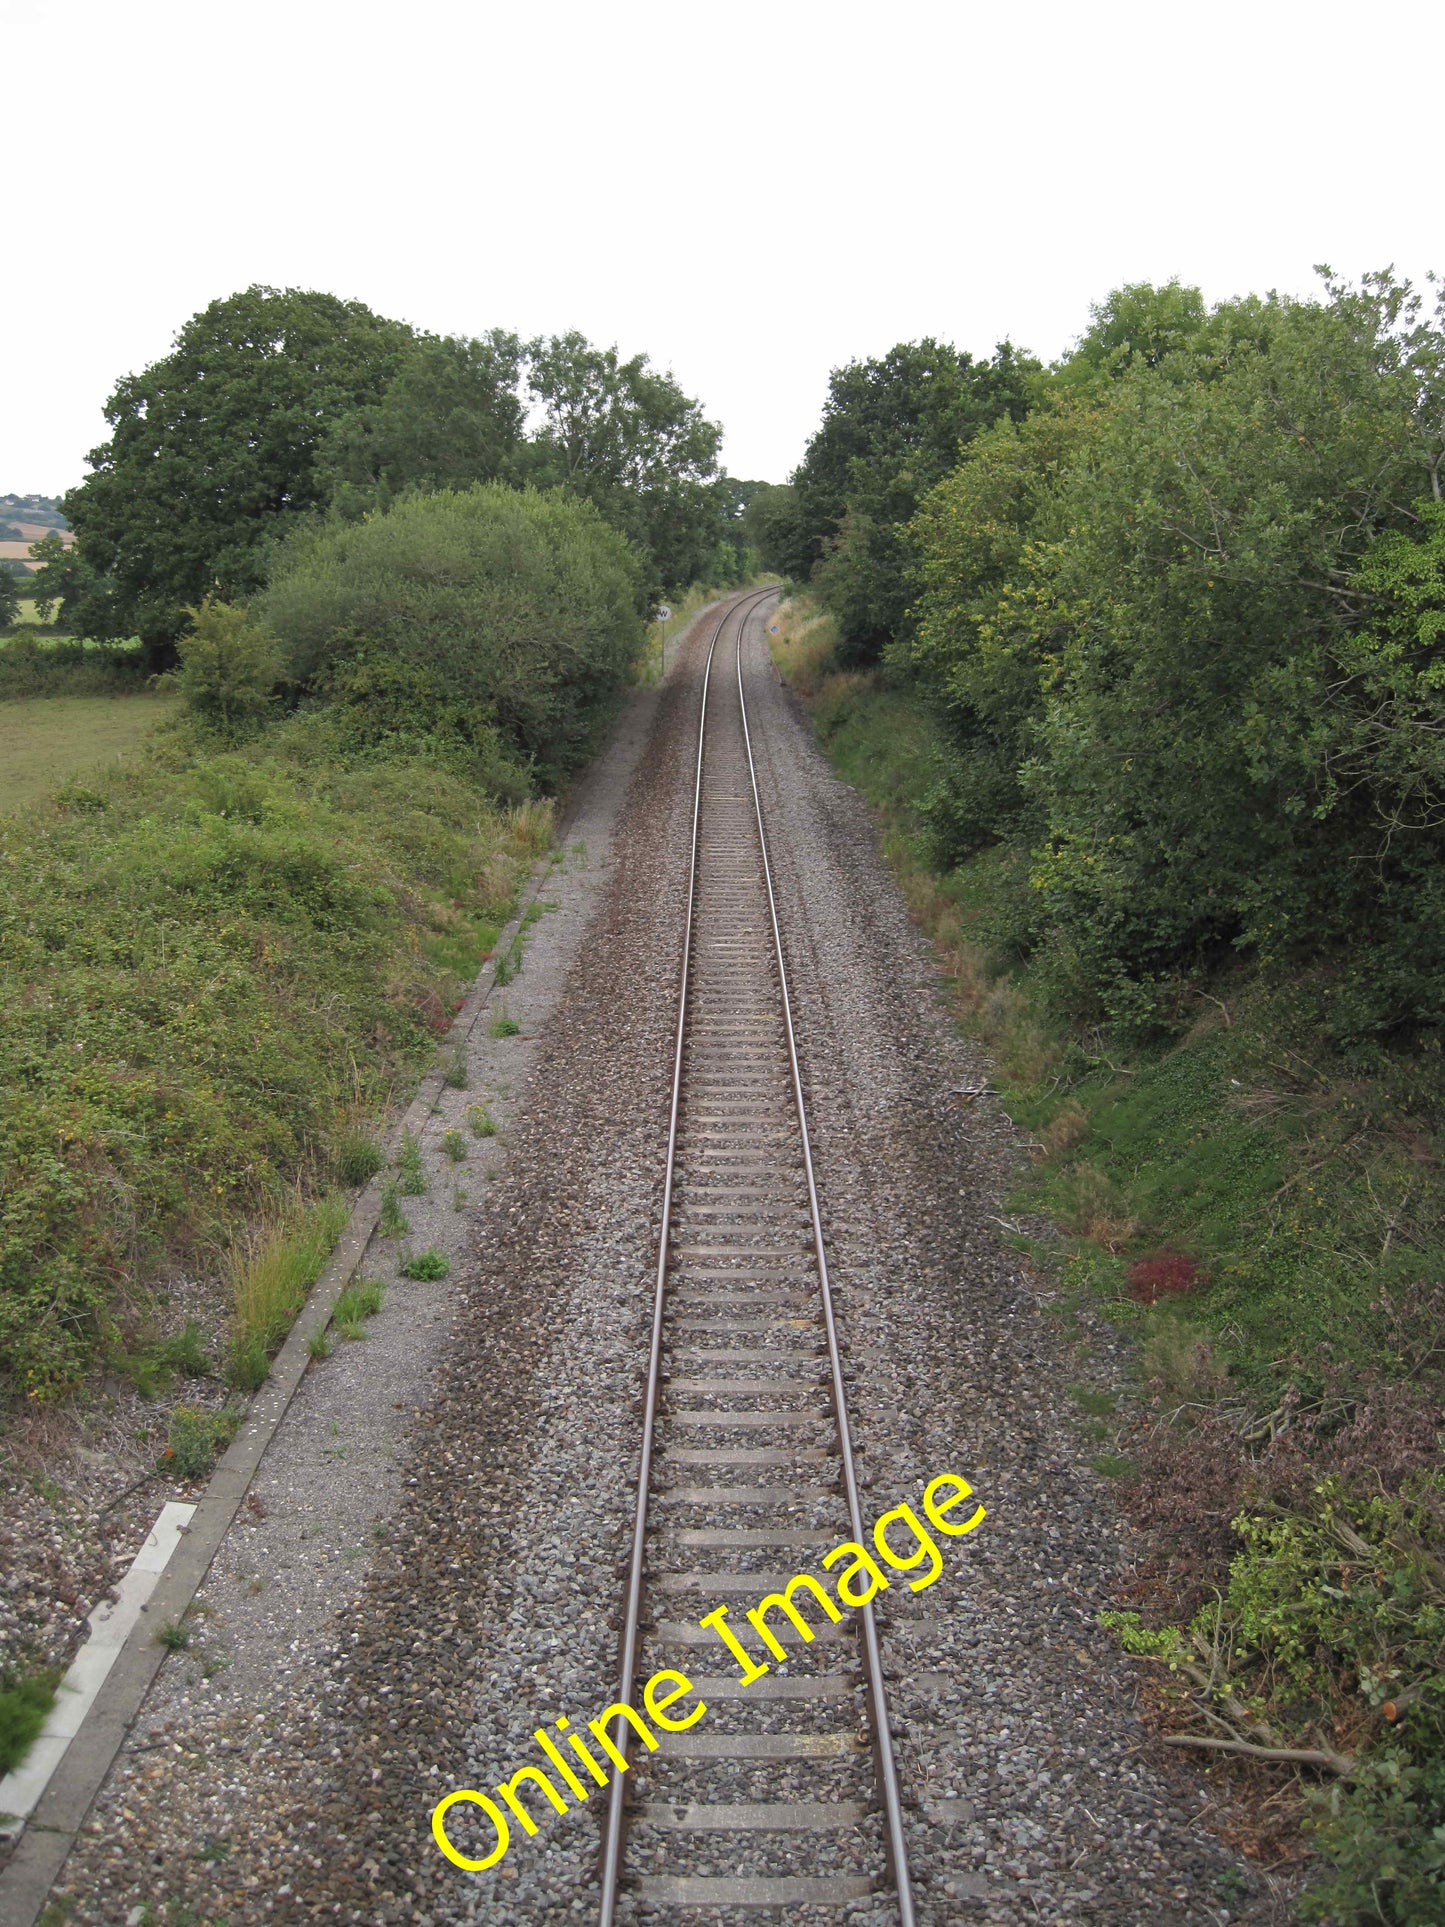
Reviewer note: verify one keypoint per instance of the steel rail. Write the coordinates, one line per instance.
(873, 1657)
(632, 1611)
(611, 1857)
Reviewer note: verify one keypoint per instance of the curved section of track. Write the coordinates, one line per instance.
(790, 1799)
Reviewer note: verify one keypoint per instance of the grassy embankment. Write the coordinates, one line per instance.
(1265, 1221)
(1305, 1194)
(218, 968)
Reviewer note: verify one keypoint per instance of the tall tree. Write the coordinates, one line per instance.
(214, 446)
(892, 429)
(450, 417)
(625, 437)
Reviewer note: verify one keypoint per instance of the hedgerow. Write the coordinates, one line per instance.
(1182, 630)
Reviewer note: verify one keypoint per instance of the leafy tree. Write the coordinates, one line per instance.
(1216, 740)
(451, 416)
(1141, 323)
(623, 436)
(892, 429)
(735, 558)
(64, 580)
(9, 596)
(229, 668)
(486, 611)
(772, 525)
(981, 644)
(213, 447)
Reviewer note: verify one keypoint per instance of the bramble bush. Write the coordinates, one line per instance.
(1329, 1637)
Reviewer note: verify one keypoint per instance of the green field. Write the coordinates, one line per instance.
(47, 739)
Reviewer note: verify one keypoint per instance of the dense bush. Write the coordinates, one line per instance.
(1185, 632)
(229, 668)
(486, 608)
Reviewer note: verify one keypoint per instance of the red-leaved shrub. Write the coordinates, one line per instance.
(1164, 1274)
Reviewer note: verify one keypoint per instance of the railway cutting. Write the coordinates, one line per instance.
(732, 1290)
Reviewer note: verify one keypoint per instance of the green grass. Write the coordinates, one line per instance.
(212, 965)
(272, 1270)
(504, 1026)
(24, 1708)
(47, 740)
(429, 1265)
(362, 1299)
(358, 1159)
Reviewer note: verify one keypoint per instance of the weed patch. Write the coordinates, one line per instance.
(195, 1439)
(154, 1368)
(428, 1265)
(272, 1269)
(394, 1222)
(25, 1705)
(410, 1172)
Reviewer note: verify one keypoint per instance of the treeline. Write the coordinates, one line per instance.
(277, 409)
(1177, 603)
(399, 583)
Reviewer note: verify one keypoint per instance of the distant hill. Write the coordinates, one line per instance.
(44, 509)
(25, 519)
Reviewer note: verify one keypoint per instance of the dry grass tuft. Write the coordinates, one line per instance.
(273, 1268)
(1065, 1131)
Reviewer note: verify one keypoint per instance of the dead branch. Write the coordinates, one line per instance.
(1326, 1757)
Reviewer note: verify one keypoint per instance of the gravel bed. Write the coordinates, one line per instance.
(394, 1623)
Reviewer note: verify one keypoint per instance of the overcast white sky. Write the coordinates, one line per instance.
(752, 193)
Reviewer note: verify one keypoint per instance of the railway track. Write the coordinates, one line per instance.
(790, 1800)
